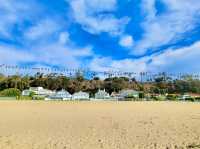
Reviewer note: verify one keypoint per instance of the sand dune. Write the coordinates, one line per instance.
(100, 125)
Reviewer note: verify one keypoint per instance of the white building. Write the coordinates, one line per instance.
(65, 95)
(115, 95)
(184, 97)
(60, 95)
(26, 93)
(80, 96)
(38, 91)
(102, 95)
(41, 91)
(129, 94)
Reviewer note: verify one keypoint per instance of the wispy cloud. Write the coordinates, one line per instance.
(171, 60)
(126, 41)
(59, 55)
(42, 29)
(13, 55)
(12, 13)
(64, 38)
(177, 60)
(97, 16)
(37, 47)
(35, 36)
(129, 65)
(168, 27)
(54, 54)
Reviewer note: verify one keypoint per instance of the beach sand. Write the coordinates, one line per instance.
(99, 125)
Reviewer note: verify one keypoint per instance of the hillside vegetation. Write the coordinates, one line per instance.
(115, 84)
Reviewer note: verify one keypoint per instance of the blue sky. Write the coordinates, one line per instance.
(127, 35)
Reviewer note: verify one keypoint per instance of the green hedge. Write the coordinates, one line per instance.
(38, 98)
(172, 97)
(197, 99)
(11, 92)
(7, 98)
(190, 99)
(24, 98)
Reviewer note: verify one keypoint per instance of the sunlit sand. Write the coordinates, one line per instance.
(99, 125)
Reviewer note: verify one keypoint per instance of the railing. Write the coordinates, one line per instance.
(140, 76)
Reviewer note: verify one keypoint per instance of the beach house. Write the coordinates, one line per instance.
(38, 91)
(80, 96)
(60, 95)
(26, 92)
(102, 95)
(129, 94)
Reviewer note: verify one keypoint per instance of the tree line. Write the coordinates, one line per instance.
(160, 85)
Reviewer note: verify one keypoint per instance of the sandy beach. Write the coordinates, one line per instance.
(99, 125)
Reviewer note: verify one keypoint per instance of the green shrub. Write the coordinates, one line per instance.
(32, 94)
(11, 92)
(130, 98)
(190, 99)
(24, 98)
(141, 95)
(172, 97)
(197, 99)
(159, 98)
(38, 98)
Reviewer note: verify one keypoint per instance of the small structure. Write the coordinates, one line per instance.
(80, 96)
(115, 95)
(38, 91)
(194, 95)
(26, 93)
(184, 97)
(129, 94)
(60, 95)
(102, 94)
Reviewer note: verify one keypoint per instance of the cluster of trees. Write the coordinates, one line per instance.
(159, 85)
(72, 85)
(11, 92)
(186, 85)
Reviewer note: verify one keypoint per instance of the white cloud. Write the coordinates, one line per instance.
(178, 5)
(180, 17)
(97, 16)
(101, 5)
(60, 55)
(129, 65)
(56, 54)
(177, 60)
(51, 54)
(100, 64)
(126, 41)
(59, 51)
(12, 55)
(44, 28)
(83, 52)
(64, 38)
(171, 60)
(12, 12)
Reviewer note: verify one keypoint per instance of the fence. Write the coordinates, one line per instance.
(140, 76)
